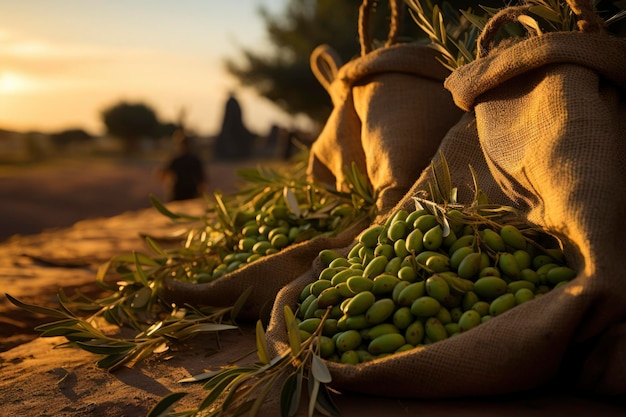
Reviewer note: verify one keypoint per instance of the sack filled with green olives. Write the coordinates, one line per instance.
(421, 279)
(262, 237)
(426, 296)
(550, 111)
(561, 173)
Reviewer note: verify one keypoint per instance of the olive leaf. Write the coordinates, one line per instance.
(290, 394)
(451, 32)
(293, 332)
(261, 343)
(241, 390)
(319, 370)
(291, 201)
(209, 249)
(161, 408)
(49, 312)
(160, 207)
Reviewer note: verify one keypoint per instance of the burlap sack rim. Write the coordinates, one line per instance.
(224, 290)
(417, 59)
(470, 81)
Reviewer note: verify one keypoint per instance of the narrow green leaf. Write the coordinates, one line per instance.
(240, 302)
(101, 274)
(203, 328)
(141, 298)
(290, 393)
(325, 401)
(143, 279)
(475, 20)
(226, 373)
(313, 396)
(151, 243)
(82, 336)
(319, 370)
(107, 347)
(163, 406)
(160, 207)
(111, 362)
(546, 12)
(59, 331)
(260, 399)
(222, 211)
(67, 323)
(531, 23)
(156, 203)
(200, 377)
(295, 401)
(237, 390)
(293, 332)
(291, 201)
(261, 344)
(50, 312)
(218, 389)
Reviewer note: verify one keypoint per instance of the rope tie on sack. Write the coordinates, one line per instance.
(365, 11)
(488, 35)
(588, 21)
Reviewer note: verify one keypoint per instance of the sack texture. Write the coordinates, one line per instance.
(545, 131)
(389, 116)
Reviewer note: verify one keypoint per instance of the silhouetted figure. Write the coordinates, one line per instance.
(234, 141)
(185, 171)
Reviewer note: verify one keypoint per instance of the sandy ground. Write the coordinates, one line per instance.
(38, 380)
(58, 193)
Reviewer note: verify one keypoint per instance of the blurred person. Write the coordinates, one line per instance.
(185, 173)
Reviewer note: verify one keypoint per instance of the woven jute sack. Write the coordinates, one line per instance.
(383, 120)
(541, 115)
(460, 366)
(390, 112)
(551, 119)
(265, 277)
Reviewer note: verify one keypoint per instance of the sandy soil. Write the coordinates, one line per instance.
(59, 193)
(38, 380)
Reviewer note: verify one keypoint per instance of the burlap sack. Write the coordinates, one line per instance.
(390, 112)
(550, 117)
(266, 276)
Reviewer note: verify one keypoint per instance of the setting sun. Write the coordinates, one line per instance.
(12, 83)
(62, 70)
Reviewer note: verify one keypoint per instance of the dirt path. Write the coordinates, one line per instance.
(58, 194)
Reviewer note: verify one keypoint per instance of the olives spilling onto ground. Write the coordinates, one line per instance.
(417, 280)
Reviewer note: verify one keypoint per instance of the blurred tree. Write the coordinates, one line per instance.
(283, 75)
(131, 122)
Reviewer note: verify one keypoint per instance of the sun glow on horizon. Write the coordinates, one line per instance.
(62, 70)
(15, 83)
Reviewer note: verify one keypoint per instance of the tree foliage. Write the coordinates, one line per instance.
(130, 120)
(283, 75)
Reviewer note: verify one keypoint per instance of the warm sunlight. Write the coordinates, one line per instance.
(62, 70)
(13, 83)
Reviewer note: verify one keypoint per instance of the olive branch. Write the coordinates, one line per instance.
(85, 333)
(242, 390)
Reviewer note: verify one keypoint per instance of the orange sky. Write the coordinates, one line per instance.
(62, 62)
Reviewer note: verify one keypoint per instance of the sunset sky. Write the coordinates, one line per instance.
(63, 61)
